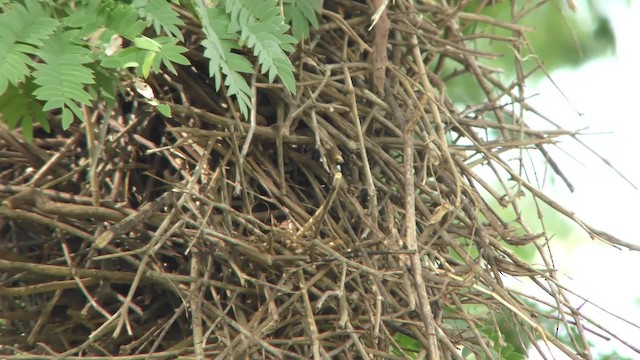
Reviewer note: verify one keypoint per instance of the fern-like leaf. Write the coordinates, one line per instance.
(264, 30)
(161, 15)
(218, 45)
(22, 30)
(87, 18)
(122, 19)
(301, 13)
(125, 20)
(168, 54)
(62, 76)
(106, 85)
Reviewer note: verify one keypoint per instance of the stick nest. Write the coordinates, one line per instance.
(345, 221)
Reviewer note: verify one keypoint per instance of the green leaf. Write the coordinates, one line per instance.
(300, 14)
(148, 55)
(62, 75)
(218, 45)
(558, 39)
(67, 118)
(30, 24)
(283, 67)
(299, 28)
(238, 86)
(161, 15)
(120, 18)
(125, 20)
(239, 63)
(264, 30)
(105, 86)
(27, 130)
(129, 57)
(20, 109)
(13, 67)
(23, 28)
(145, 43)
(409, 346)
(168, 54)
(87, 18)
(215, 61)
(148, 62)
(164, 109)
(218, 42)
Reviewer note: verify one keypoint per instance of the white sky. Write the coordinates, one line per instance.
(606, 92)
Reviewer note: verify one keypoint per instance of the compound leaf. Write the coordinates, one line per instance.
(161, 15)
(23, 28)
(62, 75)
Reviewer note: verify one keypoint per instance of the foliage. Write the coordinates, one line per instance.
(301, 14)
(62, 75)
(613, 356)
(556, 38)
(409, 346)
(17, 108)
(60, 56)
(497, 332)
(501, 349)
